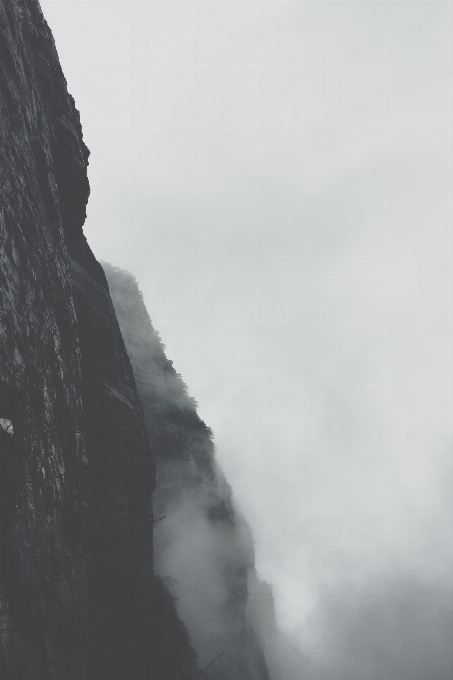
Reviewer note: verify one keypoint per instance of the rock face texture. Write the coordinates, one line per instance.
(44, 190)
(78, 594)
(203, 547)
(79, 599)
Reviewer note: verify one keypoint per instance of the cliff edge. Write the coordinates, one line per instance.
(78, 594)
(80, 436)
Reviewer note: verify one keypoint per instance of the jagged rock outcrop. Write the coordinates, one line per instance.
(203, 546)
(78, 595)
(79, 599)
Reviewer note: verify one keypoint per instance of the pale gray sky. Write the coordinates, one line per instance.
(277, 176)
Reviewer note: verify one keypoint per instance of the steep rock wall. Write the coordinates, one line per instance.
(78, 598)
(42, 505)
(203, 547)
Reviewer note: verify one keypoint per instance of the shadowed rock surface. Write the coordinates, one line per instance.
(79, 599)
(78, 594)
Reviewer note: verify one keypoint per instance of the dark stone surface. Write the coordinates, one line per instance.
(78, 596)
(44, 466)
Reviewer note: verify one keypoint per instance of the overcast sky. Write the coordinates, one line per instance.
(277, 176)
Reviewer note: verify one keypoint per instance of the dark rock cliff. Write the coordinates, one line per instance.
(78, 595)
(203, 546)
(79, 599)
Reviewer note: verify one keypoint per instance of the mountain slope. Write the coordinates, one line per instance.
(203, 547)
(78, 596)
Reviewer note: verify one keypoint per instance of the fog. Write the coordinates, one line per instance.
(203, 547)
(277, 177)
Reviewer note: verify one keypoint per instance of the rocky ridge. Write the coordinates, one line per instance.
(203, 548)
(79, 598)
(78, 594)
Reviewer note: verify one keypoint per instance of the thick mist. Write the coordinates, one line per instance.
(277, 176)
(203, 547)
